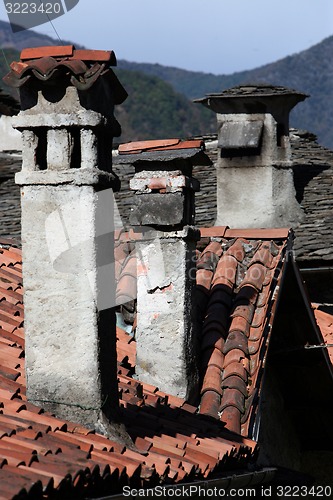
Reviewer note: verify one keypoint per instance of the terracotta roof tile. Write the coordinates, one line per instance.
(248, 271)
(165, 428)
(210, 403)
(215, 231)
(159, 145)
(236, 340)
(231, 417)
(238, 323)
(213, 338)
(82, 68)
(225, 273)
(256, 234)
(325, 323)
(212, 380)
(54, 51)
(255, 276)
(235, 368)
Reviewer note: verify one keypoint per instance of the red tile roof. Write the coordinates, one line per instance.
(325, 323)
(69, 52)
(40, 453)
(237, 280)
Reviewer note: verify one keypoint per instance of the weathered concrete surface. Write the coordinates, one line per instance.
(255, 185)
(10, 139)
(256, 190)
(166, 337)
(256, 197)
(269, 152)
(67, 243)
(70, 351)
(78, 177)
(158, 209)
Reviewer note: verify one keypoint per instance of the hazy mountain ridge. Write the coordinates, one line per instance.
(309, 71)
(27, 38)
(158, 105)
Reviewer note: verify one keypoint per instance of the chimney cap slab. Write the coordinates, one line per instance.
(165, 150)
(252, 98)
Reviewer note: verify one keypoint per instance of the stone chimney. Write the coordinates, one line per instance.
(255, 185)
(163, 218)
(67, 126)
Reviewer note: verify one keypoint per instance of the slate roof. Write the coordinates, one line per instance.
(255, 89)
(10, 203)
(313, 175)
(41, 455)
(313, 178)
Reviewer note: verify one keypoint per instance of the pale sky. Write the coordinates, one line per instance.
(217, 36)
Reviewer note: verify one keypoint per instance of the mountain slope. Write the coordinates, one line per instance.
(310, 71)
(149, 114)
(153, 110)
(26, 38)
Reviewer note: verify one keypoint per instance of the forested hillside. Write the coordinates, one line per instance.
(310, 71)
(159, 103)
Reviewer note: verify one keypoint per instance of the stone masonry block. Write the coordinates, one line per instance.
(158, 209)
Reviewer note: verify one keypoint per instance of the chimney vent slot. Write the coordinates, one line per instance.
(41, 151)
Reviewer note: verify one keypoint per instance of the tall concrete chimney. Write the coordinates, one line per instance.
(67, 126)
(255, 185)
(162, 216)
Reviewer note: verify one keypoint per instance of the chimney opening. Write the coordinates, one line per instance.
(41, 151)
(76, 148)
(281, 133)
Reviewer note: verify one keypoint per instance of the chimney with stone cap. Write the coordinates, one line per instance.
(255, 186)
(67, 126)
(162, 219)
